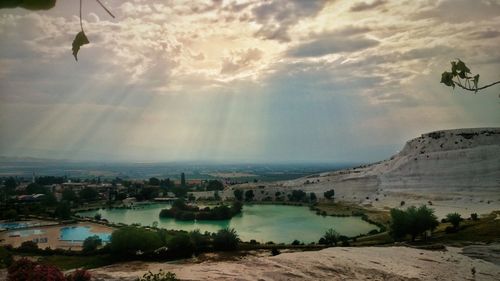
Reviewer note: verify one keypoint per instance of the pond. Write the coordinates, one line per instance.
(277, 223)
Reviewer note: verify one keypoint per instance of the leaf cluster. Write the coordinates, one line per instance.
(460, 75)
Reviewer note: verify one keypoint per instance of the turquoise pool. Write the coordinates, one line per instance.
(80, 233)
(13, 225)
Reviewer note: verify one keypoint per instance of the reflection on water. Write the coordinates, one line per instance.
(277, 223)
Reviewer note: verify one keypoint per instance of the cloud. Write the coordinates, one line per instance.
(278, 16)
(460, 11)
(332, 43)
(239, 60)
(364, 6)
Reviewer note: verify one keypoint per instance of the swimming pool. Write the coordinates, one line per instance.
(80, 233)
(26, 232)
(13, 225)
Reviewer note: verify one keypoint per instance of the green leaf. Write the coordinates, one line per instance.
(461, 67)
(80, 40)
(476, 81)
(447, 79)
(454, 68)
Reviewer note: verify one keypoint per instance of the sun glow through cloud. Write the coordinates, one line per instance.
(268, 81)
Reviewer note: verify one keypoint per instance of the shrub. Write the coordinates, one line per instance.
(329, 194)
(26, 270)
(181, 246)
(91, 243)
(6, 258)
(344, 240)
(160, 276)
(296, 242)
(474, 216)
(331, 237)
(275, 252)
(200, 242)
(129, 240)
(249, 195)
(238, 194)
(454, 219)
(97, 216)
(28, 246)
(226, 239)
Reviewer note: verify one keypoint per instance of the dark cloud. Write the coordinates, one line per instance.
(460, 11)
(363, 6)
(331, 44)
(485, 34)
(278, 16)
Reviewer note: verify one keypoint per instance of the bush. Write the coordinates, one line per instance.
(474, 216)
(275, 252)
(129, 240)
(160, 276)
(238, 194)
(329, 194)
(249, 195)
(6, 258)
(226, 239)
(91, 243)
(26, 270)
(28, 246)
(454, 219)
(63, 211)
(331, 237)
(296, 242)
(181, 246)
(200, 242)
(344, 240)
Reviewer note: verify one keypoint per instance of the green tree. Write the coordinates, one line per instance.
(215, 185)
(461, 76)
(331, 237)
(183, 180)
(88, 194)
(129, 240)
(91, 243)
(181, 245)
(249, 195)
(69, 195)
(329, 194)
(226, 239)
(238, 194)
(154, 181)
(413, 221)
(63, 211)
(454, 219)
(313, 197)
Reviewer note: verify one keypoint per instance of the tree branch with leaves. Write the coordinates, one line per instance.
(461, 76)
(80, 38)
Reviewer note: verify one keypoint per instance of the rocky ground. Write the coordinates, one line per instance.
(363, 263)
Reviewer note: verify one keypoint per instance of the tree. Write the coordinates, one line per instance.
(69, 195)
(238, 194)
(63, 211)
(313, 197)
(454, 219)
(129, 240)
(297, 196)
(181, 245)
(249, 195)
(331, 237)
(215, 185)
(88, 194)
(35, 188)
(461, 76)
(154, 181)
(10, 184)
(329, 194)
(183, 180)
(226, 239)
(91, 243)
(412, 221)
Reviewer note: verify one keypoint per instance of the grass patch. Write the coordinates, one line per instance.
(344, 209)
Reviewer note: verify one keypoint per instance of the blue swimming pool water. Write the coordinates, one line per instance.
(13, 225)
(80, 233)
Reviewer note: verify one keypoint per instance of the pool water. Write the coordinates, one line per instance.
(26, 232)
(13, 225)
(80, 233)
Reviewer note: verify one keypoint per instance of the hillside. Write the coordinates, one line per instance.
(460, 167)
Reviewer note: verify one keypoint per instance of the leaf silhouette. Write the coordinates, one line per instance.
(80, 40)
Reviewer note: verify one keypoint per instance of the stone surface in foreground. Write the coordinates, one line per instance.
(369, 263)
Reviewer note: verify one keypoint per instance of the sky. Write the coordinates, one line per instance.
(242, 81)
